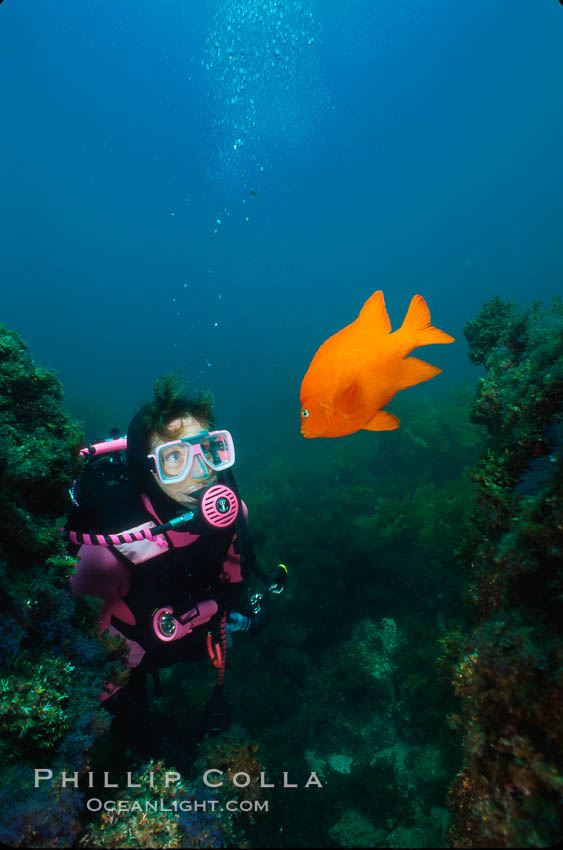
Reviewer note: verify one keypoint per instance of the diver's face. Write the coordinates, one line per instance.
(199, 475)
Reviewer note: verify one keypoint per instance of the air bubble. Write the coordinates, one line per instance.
(280, 99)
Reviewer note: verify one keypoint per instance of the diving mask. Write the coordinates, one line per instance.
(173, 461)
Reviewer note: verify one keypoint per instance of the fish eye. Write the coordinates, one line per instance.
(304, 413)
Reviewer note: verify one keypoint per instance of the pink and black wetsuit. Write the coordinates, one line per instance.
(181, 571)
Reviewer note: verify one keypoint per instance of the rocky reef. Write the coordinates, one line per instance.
(507, 660)
(160, 809)
(51, 663)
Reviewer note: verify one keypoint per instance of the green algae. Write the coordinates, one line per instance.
(507, 666)
(52, 665)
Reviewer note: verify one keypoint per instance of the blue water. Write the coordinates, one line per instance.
(408, 147)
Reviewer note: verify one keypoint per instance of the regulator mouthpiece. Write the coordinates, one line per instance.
(218, 506)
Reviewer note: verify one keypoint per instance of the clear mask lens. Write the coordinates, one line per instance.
(216, 449)
(173, 460)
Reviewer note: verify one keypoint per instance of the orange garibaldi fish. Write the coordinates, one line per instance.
(358, 370)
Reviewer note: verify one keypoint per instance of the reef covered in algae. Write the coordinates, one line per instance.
(51, 662)
(508, 668)
(159, 810)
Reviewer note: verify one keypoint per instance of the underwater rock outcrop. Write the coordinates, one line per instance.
(159, 812)
(51, 663)
(380, 788)
(508, 664)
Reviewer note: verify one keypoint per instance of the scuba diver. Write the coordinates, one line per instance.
(162, 538)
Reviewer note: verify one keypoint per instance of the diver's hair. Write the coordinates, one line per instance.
(171, 401)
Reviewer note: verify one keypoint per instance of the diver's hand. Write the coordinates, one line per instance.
(260, 616)
(255, 621)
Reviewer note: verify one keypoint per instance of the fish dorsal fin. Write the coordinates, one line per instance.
(349, 399)
(414, 371)
(382, 421)
(374, 314)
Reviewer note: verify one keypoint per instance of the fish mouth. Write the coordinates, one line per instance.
(323, 427)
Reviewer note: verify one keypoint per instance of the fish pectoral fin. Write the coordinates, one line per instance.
(349, 399)
(414, 371)
(383, 421)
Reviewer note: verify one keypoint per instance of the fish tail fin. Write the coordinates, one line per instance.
(417, 325)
